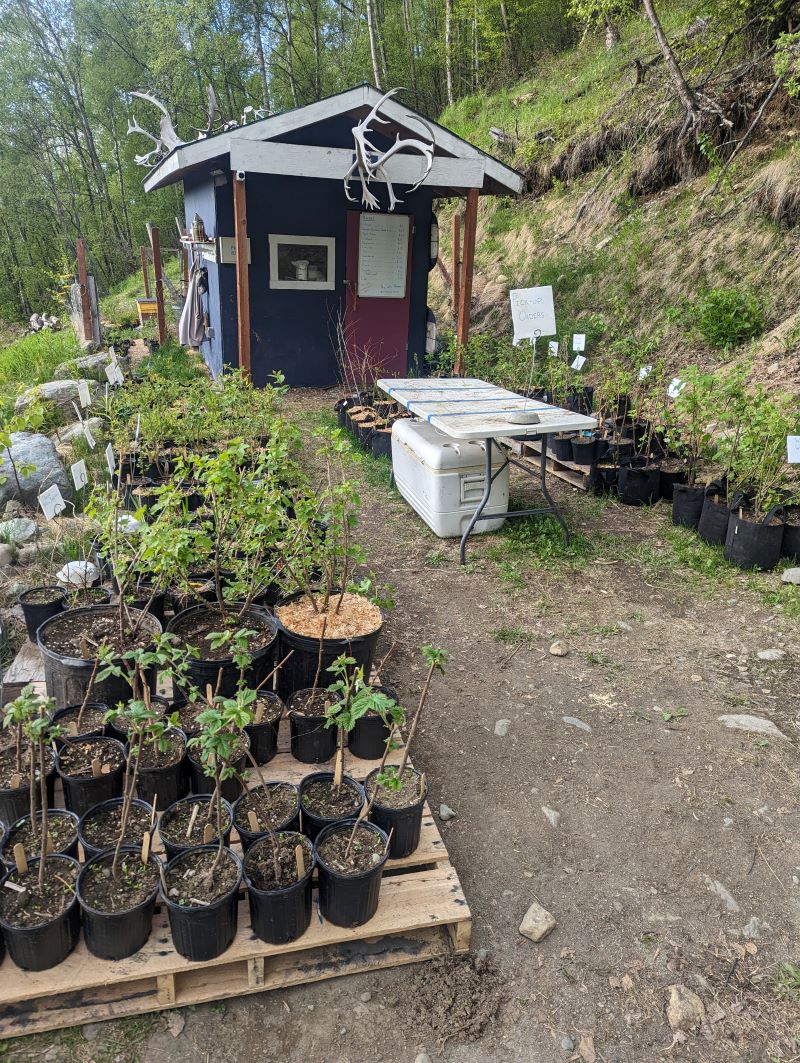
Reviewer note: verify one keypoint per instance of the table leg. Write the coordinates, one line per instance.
(553, 507)
(487, 490)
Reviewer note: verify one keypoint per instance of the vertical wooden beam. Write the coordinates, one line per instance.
(456, 266)
(467, 265)
(242, 271)
(145, 270)
(83, 282)
(155, 244)
(185, 264)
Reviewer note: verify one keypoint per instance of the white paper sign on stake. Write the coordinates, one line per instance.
(579, 342)
(579, 362)
(532, 312)
(84, 395)
(645, 371)
(552, 347)
(793, 449)
(52, 502)
(89, 437)
(110, 461)
(80, 475)
(114, 374)
(676, 387)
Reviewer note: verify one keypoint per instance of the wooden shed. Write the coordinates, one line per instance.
(323, 275)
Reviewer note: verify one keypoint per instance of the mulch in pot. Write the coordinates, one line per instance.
(133, 885)
(260, 862)
(366, 851)
(273, 804)
(357, 617)
(35, 905)
(76, 757)
(191, 880)
(101, 829)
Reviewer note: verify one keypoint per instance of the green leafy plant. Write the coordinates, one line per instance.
(726, 317)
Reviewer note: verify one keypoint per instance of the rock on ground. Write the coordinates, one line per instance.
(772, 654)
(685, 1010)
(35, 454)
(61, 392)
(559, 649)
(756, 724)
(6, 556)
(18, 530)
(537, 923)
(90, 366)
(96, 426)
(790, 575)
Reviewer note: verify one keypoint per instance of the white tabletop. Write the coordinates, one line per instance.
(466, 408)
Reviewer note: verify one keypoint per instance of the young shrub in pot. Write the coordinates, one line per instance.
(366, 714)
(15, 762)
(278, 869)
(39, 604)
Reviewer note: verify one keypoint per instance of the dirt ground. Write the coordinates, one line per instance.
(664, 843)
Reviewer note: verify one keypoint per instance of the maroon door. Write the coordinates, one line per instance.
(375, 327)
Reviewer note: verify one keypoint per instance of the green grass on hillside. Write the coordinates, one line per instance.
(119, 305)
(31, 360)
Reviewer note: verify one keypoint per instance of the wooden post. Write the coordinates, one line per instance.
(456, 266)
(145, 270)
(185, 262)
(467, 264)
(83, 282)
(242, 270)
(155, 244)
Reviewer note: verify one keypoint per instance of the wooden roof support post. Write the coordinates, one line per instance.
(242, 270)
(467, 265)
(155, 244)
(456, 266)
(145, 270)
(83, 281)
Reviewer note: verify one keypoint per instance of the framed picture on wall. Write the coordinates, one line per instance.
(302, 263)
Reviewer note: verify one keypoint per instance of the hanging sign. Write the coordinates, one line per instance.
(793, 449)
(676, 386)
(552, 347)
(645, 372)
(579, 362)
(80, 476)
(52, 502)
(579, 342)
(110, 462)
(532, 312)
(84, 395)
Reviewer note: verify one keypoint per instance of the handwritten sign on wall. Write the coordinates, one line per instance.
(383, 255)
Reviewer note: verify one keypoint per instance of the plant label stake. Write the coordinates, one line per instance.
(578, 342)
(16, 780)
(208, 834)
(110, 460)
(645, 372)
(422, 785)
(192, 818)
(338, 768)
(19, 859)
(89, 437)
(793, 449)
(84, 396)
(252, 819)
(552, 348)
(145, 846)
(52, 502)
(300, 861)
(50, 843)
(80, 475)
(96, 769)
(578, 362)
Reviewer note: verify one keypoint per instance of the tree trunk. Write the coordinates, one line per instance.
(685, 94)
(612, 36)
(262, 63)
(373, 44)
(448, 48)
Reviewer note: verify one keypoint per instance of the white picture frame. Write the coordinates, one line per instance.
(325, 263)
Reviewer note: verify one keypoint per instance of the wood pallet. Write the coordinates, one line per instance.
(576, 475)
(422, 914)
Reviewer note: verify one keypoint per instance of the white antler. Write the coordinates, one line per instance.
(169, 138)
(370, 162)
(150, 157)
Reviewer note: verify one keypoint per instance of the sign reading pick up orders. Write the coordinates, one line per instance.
(532, 312)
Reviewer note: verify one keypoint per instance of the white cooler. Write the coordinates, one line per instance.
(443, 478)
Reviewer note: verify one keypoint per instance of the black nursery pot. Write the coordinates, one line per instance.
(314, 824)
(117, 935)
(172, 848)
(142, 600)
(280, 916)
(752, 543)
(348, 900)
(36, 613)
(203, 933)
(405, 823)
(40, 947)
(687, 504)
(204, 784)
(164, 786)
(639, 486)
(560, 446)
(69, 711)
(81, 793)
(669, 480)
(712, 526)
(299, 672)
(11, 835)
(381, 443)
(312, 742)
(156, 701)
(367, 740)
(68, 678)
(264, 736)
(620, 449)
(14, 804)
(90, 850)
(248, 837)
(584, 450)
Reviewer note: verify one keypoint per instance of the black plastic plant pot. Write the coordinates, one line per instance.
(281, 915)
(40, 947)
(687, 504)
(203, 933)
(163, 705)
(299, 672)
(584, 450)
(204, 784)
(249, 837)
(620, 449)
(83, 597)
(264, 736)
(560, 446)
(639, 486)
(754, 543)
(312, 742)
(68, 678)
(349, 900)
(712, 526)
(162, 787)
(174, 848)
(70, 713)
(12, 835)
(204, 672)
(149, 602)
(90, 850)
(368, 739)
(669, 478)
(602, 444)
(80, 792)
(116, 935)
(36, 613)
(402, 826)
(16, 803)
(313, 824)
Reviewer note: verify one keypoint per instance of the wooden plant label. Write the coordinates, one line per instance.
(422, 784)
(72, 727)
(16, 781)
(19, 859)
(50, 843)
(252, 819)
(208, 834)
(300, 860)
(259, 716)
(106, 769)
(192, 818)
(145, 846)
(338, 767)
(15, 887)
(97, 771)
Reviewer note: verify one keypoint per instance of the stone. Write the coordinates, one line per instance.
(722, 892)
(537, 923)
(28, 555)
(754, 926)
(6, 556)
(52, 1053)
(422, 1057)
(175, 1023)
(365, 997)
(35, 455)
(754, 724)
(559, 649)
(501, 728)
(18, 530)
(13, 509)
(567, 1044)
(553, 817)
(61, 392)
(91, 1031)
(446, 813)
(573, 721)
(90, 366)
(685, 1010)
(771, 654)
(790, 575)
(96, 426)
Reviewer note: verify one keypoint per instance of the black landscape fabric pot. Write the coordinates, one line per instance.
(753, 543)
(669, 479)
(687, 504)
(712, 526)
(639, 486)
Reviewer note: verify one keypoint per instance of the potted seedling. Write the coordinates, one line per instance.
(39, 912)
(639, 478)
(15, 782)
(690, 440)
(366, 714)
(733, 411)
(39, 604)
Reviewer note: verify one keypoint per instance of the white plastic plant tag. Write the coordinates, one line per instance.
(110, 460)
(793, 449)
(89, 437)
(80, 475)
(84, 395)
(552, 347)
(676, 386)
(579, 362)
(114, 374)
(645, 372)
(579, 342)
(112, 351)
(52, 502)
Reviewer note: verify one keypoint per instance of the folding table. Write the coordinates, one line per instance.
(470, 409)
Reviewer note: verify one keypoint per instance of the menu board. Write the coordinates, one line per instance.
(383, 255)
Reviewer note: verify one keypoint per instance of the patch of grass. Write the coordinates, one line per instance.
(511, 636)
(173, 362)
(436, 559)
(787, 981)
(540, 540)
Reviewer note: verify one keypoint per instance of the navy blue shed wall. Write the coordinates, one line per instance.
(199, 198)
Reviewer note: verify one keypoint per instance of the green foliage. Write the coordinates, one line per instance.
(354, 698)
(726, 317)
(787, 61)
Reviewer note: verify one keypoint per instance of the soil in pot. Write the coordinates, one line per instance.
(41, 925)
(163, 772)
(263, 734)
(176, 820)
(119, 726)
(280, 901)
(39, 604)
(202, 901)
(260, 861)
(92, 720)
(75, 632)
(192, 880)
(312, 742)
(91, 771)
(62, 829)
(322, 802)
(193, 626)
(399, 812)
(88, 596)
(350, 874)
(274, 805)
(188, 711)
(99, 828)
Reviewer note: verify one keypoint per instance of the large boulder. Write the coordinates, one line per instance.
(61, 392)
(96, 425)
(38, 467)
(91, 367)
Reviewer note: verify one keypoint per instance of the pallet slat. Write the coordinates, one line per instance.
(576, 475)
